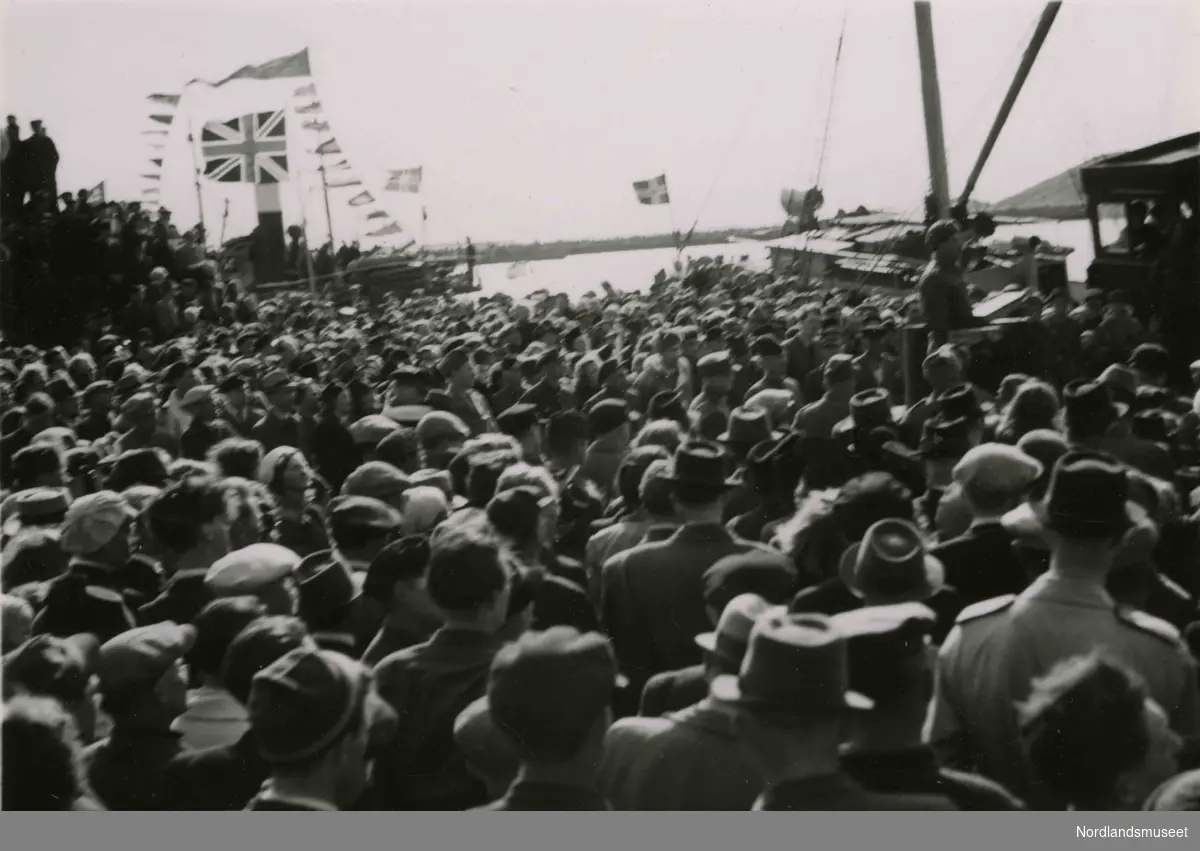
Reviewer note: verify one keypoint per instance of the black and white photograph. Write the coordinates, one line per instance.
(602, 405)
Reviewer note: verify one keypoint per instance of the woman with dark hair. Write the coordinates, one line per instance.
(41, 747)
(300, 523)
(138, 467)
(334, 451)
(1035, 406)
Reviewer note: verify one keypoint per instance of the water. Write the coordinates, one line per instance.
(635, 270)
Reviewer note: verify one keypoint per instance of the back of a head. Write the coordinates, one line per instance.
(527, 475)
(33, 463)
(176, 517)
(514, 514)
(633, 469)
(867, 499)
(40, 745)
(217, 625)
(1083, 726)
(237, 457)
(467, 568)
(486, 468)
(259, 644)
(565, 433)
(665, 433)
(138, 467)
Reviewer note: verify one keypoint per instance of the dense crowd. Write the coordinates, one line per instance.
(679, 550)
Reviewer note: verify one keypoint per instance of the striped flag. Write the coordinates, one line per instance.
(309, 108)
(652, 191)
(377, 214)
(151, 177)
(319, 126)
(155, 132)
(162, 119)
(362, 199)
(248, 149)
(329, 146)
(404, 180)
(341, 165)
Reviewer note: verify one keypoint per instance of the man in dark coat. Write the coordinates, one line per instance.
(652, 596)
(40, 162)
(279, 426)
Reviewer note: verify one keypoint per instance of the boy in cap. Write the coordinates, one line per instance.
(981, 563)
(143, 690)
(793, 702)
(441, 435)
(689, 758)
(204, 430)
(891, 663)
(279, 426)
(265, 571)
(551, 694)
(312, 714)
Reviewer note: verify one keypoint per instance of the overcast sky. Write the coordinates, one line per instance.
(532, 119)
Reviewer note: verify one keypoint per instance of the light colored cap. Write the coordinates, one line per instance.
(250, 569)
(197, 394)
(94, 520)
(998, 468)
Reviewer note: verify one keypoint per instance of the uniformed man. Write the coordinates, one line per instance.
(988, 662)
(768, 354)
(709, 411)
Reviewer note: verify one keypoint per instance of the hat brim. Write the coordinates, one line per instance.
(1035, 518)
(727, 484)
(726, 689)
(726, 438)
(934, 578)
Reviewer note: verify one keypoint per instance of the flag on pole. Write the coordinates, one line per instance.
(389, 229)
(293, 65)
(362, 199)
(404, 180)
(377, 214)
(96, 194)
(162, 119)
(307, 91)
(344, 182)
(319, 126)
(329, 146)
(248, 149)
(652, 191)
(309, 108)
(341, 165)
(155, 132)
(164, 100)
(150, 190)
(152, 176)
(157, 163)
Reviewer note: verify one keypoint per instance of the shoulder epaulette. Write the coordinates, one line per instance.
(1148, 624)
(985, 608)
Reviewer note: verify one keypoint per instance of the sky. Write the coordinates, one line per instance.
(532, 119)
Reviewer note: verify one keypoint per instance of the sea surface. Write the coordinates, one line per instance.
(580, 274)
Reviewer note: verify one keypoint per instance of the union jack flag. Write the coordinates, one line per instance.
(249, 149)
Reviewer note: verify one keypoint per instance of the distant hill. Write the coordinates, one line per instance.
(494, 252)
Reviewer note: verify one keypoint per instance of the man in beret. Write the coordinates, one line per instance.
(397, 584)
(312, 715)
(89, 597)
(551, 695)
(142, 690)
(608, 425)
(944, 303)
(614, 384)
(467, 403)
(279, 426)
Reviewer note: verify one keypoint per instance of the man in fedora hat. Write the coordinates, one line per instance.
(942, 369)
(818, 418)
(689, 758)
(892, 663)
(652, 602)
(1091, 417)
(746, 429)
(793, 705)
(1064, 612)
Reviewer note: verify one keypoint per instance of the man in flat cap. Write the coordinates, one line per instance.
(547, 394)
(143, 691)
(140, 421)
(467, 403)
(551, 695)
(709, 411)
(266, 571)
(441, 434)
(279, 425)
(204, 431)
(235, 409)
(521, 422)
(768, 355)
(313, 714)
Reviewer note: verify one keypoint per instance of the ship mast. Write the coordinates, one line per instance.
(935, 139)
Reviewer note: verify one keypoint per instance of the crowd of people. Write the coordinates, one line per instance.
(684, 549)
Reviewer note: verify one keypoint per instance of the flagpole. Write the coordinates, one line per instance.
(671, 212)
(325, 194)
(196, 177)
(224, 220)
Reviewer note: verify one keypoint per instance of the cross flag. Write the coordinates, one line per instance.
(249, 149)
(404, 180)
(652, 191)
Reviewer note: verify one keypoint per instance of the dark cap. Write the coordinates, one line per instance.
(766, 346)
(410, 375)
(364, 512)
(768, 574)
(52, 667)
(607, 416)
(1088, 497)
(518, 419)
(231, 383)
(399, 561)
(139, 657)
(887, 645)
(1151, 358)
(326, 587)
(940, 232)
(944, 440)
(839, 369)
(960, 401)
(715, 364)
(547, 689)
(453, 362)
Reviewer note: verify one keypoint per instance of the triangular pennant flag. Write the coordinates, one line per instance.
(377, 214)
(315, 106)
(155, 132)
(389, 229)
(293, 65)
(404, 180)
(329, 146)
(152, 176)
(162, 119)
(164, 100)
(319, 126)
(342, 183)
(150, 190)
(306, 91)
(157, 163)
(96, 194)
(362, 199)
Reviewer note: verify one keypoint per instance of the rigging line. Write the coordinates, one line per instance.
(837, 61)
